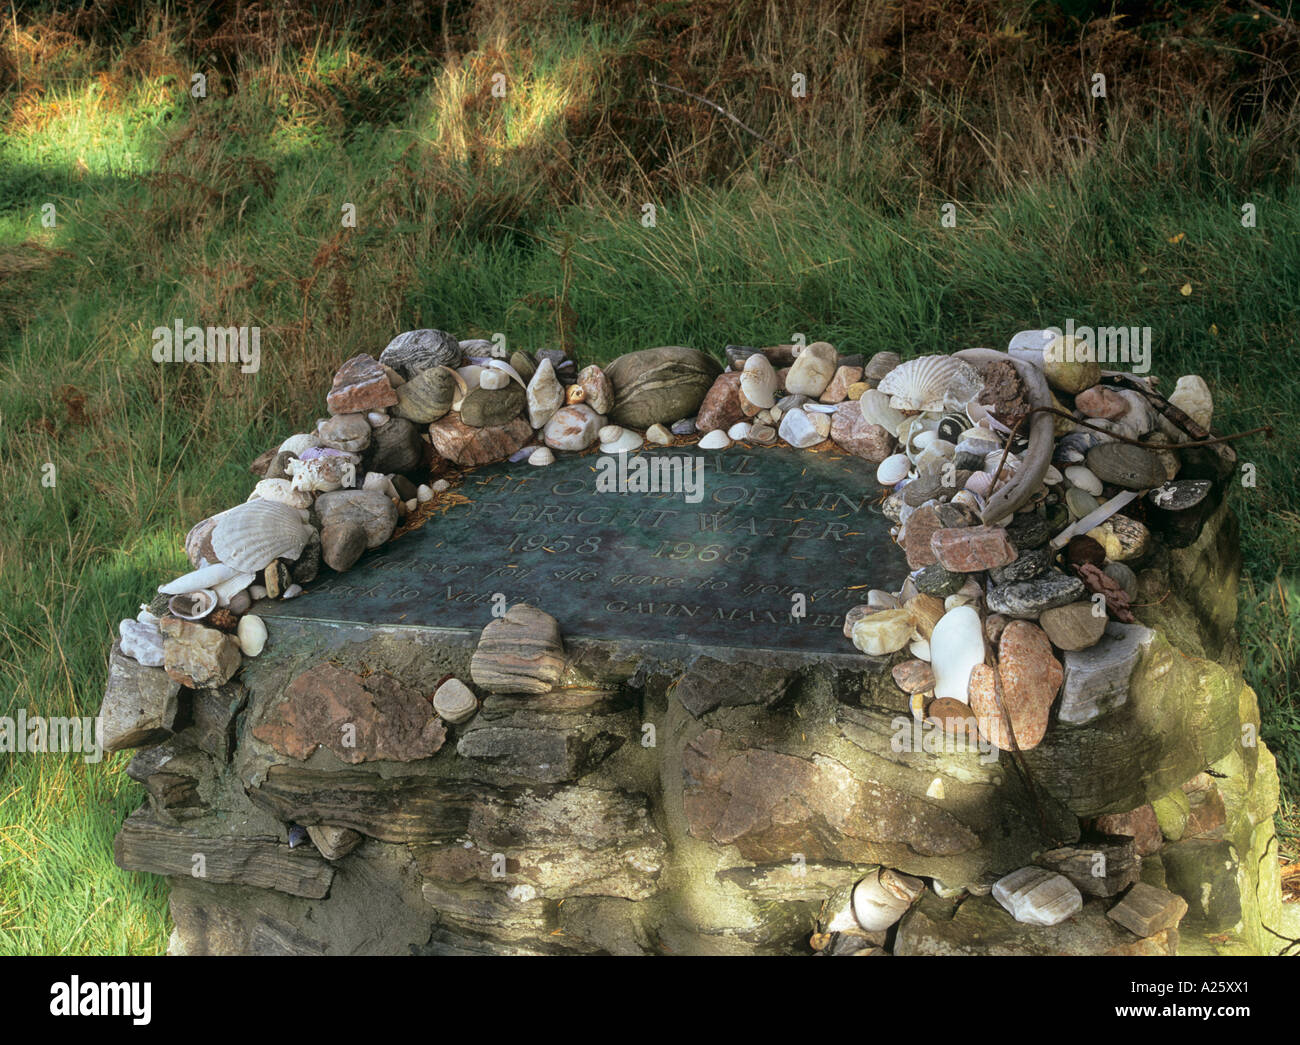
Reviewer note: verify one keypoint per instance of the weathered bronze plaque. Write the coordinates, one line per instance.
(750, 549)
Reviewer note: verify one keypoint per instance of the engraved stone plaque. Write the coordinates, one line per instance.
(760, 549)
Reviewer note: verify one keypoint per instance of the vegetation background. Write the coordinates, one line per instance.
(522, 214)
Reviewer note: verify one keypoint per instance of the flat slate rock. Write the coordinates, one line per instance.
(716, 563)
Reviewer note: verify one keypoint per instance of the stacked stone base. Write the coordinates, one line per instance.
(684, 801)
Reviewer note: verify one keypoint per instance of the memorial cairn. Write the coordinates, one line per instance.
(1039, 743)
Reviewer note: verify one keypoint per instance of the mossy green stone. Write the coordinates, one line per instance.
(491, 407)
(1172, 812)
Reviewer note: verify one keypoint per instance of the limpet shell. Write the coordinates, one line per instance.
(256, 533)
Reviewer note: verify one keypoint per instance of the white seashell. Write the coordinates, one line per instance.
(715, 440)
(198, 580)
(923, 439)
(291, 592)
(625, 442)
(820, 408)
(193, 605)
(255, 534)
(920, 649)
(323, 474)
(470, 373)
(296, 444)
(739, 431)
(1192, 396)
(1052, 477)
(935, 457)
(541, 457)
(758, 381)
(799, 430)
(227, 590)
(251, 633)
(893, 469)
(142, 642)
(957, 646)
(508, 370)
(931, 383)
(493, 379)
(281, 490)
(876, 410)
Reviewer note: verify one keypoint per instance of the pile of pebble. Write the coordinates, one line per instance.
(1023, 549)
(988, 571)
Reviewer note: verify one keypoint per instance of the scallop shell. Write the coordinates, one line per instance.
(931, 383)
(193, 605)
(255, 534)
(197, 580)
(876, 410)
(758, 381)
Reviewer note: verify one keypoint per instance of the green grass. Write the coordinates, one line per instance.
(478, 220)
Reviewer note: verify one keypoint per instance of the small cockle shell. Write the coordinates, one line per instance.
(255, 534)
(893, 469)
(198, 580)
(625, 441)
(931, 383)
(193, 605)
(758, 382)
(251, 635)
(715, 440)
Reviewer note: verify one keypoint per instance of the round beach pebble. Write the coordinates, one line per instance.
(1073, 627)
(913, 676)
(887, 631)
(454, 702)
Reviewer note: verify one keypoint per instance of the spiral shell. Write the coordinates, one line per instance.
(256, 533)
(931, 383)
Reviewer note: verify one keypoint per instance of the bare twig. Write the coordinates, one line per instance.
(790, 157)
